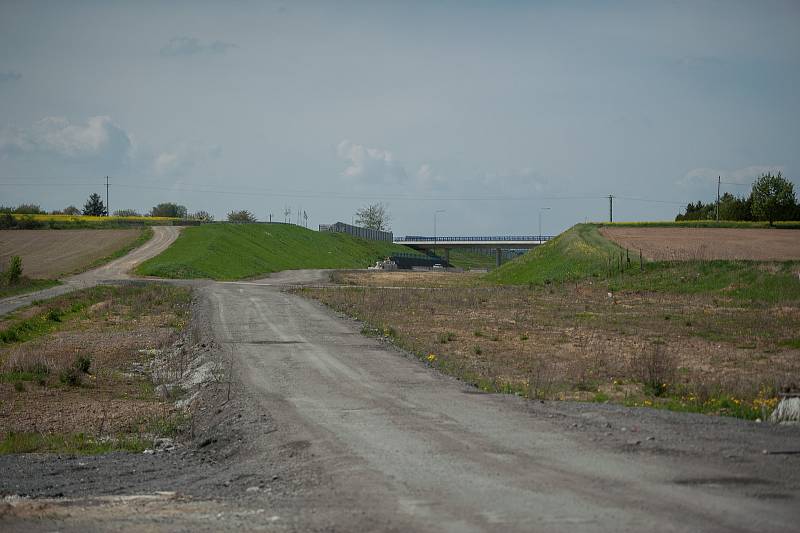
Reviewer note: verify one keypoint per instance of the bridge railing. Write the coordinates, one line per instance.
(498, 238)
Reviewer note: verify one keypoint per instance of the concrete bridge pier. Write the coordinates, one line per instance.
(446, 256)
(499, 256)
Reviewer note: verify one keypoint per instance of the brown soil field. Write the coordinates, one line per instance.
(51, 253)
(686, 244)
(577, 342)
(116, 395)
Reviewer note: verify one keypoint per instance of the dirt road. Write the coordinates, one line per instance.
(415, 450)
(321, 428)
(118, 269)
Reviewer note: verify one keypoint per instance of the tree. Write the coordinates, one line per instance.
(127, 213)
(773, 198)
(202, 216)
(241, 217)
(28, 209)
(72, 210)
(168, 209)
(94, 206)
(374, 216)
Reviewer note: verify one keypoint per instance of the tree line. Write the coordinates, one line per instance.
(772, 198)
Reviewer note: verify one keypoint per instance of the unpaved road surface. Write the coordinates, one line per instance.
(324, 429)
(686, 244)
(117, 269)
(51, 253)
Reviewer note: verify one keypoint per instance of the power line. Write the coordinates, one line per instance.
(308, 194)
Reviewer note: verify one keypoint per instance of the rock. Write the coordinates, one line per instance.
(252, 489)
(787, 411)
(634, 442)
(149, 451)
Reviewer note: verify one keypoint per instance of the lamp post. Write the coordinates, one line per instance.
(540, 221)
(435, 213)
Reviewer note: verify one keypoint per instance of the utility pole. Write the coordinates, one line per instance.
(108, 207)
(719, 180)
(610, 208)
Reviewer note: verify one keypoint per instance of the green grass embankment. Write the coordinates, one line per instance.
(577, 253)
(236, 251)
(582, 252)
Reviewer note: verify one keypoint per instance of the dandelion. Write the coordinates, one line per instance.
(431, 357)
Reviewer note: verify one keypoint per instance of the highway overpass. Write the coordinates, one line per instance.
(498, 243)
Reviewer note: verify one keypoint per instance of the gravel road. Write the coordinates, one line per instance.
(117, 269)
(325, 429)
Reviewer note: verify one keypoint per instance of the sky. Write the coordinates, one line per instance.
(481, 117)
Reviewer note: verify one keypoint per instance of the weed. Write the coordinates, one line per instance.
(523, 337)
(446, 337)
(19, 386)
(477, 350)
(478, 333)
(656, 369)
(69, 443)
(70, 376)
(83, 363)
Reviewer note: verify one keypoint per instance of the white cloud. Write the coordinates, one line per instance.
(370, 164)
(703, 177)
(98, 138)
(182, 158)
(521, 180)
(428, 178)
(189, 46)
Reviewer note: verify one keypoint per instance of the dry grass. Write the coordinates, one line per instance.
(115, 397)
(575, 342)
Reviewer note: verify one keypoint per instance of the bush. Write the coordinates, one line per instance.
(656, 369)
(83, 363)
(70, 376)
(7, 221)
(13, 273)
(241, 217)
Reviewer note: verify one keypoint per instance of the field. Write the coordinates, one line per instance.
(706, 336)
(74, 371)
(236, 251)
(50, 254)
(677, 244)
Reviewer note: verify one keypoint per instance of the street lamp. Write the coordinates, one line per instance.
(434, 223)
(540, 221)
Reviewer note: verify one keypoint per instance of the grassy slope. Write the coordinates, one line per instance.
(577, 253)
(235, 251)
(582, 251)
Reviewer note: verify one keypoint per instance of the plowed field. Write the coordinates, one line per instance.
(50, 253)
(684, 244)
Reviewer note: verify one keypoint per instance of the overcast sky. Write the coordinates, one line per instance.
(489, 111)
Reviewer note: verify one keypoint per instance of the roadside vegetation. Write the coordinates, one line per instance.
(75, 372)
(581, 318)
(236, 251)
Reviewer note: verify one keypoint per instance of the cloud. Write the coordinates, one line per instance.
(370, 164)
(703, 177)
(99, 138)
(182, 158)
(189, 46)
(520, 180)
(9, 76)
(428, 178)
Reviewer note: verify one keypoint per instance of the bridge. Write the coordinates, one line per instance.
(498, 243)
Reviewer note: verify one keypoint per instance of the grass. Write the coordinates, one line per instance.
(73, 443)
(26, 285)
(236, 251)
(578, 253)
(55, 313)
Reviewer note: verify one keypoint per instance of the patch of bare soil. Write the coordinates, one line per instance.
(685, 244)
(44, 391)
(576, 342)
(50, 253)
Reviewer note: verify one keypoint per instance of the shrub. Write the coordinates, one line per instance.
(656, 369)
(13, 273)
(7, 221)
(70, 376)
(241, 217)
(83, 363)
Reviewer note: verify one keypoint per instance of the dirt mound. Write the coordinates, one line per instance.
(685, 244)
